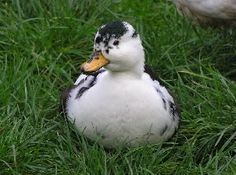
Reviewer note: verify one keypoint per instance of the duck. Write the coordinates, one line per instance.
(213, 13)
(115, 101)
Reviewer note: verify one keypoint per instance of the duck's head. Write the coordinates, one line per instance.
(117, 48)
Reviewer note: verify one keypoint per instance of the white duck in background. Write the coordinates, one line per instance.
(118, 103)
(209, 12)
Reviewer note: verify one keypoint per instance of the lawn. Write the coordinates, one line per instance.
(43, 43)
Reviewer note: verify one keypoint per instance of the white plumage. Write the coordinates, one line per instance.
(120, 104)
(209, 12)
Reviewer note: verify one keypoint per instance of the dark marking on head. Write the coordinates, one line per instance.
(106, 42)
(107, 51)
(116, 42)
(116, 29)
(98, 39)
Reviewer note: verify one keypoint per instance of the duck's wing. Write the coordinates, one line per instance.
(168, 99)
(63, 99)
(82, 84)
(149, 70)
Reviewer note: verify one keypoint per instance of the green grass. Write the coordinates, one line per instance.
(42, 44)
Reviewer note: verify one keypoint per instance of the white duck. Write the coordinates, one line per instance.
(118, 103)
(209, 12)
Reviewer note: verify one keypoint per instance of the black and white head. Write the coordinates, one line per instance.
(117, 48)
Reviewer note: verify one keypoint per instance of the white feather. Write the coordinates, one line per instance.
(123, 107)
(212, 12)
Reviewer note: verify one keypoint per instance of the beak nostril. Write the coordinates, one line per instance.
(90, 60)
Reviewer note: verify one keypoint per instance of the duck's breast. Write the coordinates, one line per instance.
(122, 108)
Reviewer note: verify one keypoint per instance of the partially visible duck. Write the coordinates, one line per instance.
(209, 12)
(115, 101)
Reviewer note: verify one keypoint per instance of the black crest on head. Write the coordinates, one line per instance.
(114, 29)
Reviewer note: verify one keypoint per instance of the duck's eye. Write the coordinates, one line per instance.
(116, 42)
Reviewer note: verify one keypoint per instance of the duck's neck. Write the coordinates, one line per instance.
(134, 72)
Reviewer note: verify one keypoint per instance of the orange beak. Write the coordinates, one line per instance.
(96, 62)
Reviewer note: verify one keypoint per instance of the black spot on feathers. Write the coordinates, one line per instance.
(164, 103)
(92, 82)
(98, 39)
(135, 34)
(173, 106)
(116, 28)
(81, 91)
(173, 110)
(116, 42)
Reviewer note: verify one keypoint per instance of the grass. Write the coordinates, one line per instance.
(42, 44)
